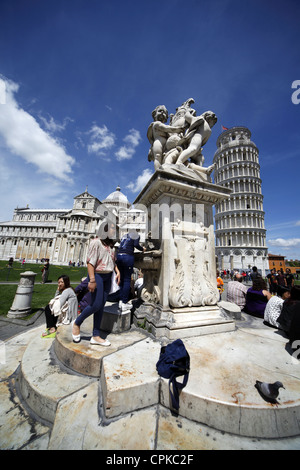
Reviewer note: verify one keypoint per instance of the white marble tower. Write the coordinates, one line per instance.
(239, 221)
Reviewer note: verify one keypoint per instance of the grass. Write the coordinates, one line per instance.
(42, 293)
(13, 274)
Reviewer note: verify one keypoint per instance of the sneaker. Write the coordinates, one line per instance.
(126, 307)
(124, 312)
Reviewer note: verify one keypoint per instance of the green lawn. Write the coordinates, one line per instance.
(13, 274)
(42, 293)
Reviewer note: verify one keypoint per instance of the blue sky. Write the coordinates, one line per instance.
(79, 80)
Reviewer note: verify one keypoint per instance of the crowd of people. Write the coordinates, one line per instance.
(275, 299)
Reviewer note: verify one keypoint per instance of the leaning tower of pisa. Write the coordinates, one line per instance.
(239, 220)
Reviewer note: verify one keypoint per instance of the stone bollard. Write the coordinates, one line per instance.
(22, 302)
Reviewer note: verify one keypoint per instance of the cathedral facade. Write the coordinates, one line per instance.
(63, 235)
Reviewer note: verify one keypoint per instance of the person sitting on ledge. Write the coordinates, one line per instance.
(274, 306)
(257, 297)
(236, 291)
(289, 319)
(62, 308)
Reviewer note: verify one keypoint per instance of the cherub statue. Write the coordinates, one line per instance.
(202, 126)
(181, 142)
(158, 133)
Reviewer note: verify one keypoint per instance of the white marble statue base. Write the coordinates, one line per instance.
(180, 289)
(182, 322)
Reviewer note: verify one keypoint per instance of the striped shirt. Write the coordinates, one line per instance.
(236, 293)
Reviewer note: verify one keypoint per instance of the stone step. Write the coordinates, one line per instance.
(219, 395)
(18, 428)
(221, 392)
(129, 378)
(43, 382)
(78, 426)
(85, 358)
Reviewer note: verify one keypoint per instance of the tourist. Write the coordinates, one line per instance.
(236, 291)
(289, 319)
(290, 281)
(62, 309)
(257, 297)
(274, 306)
(281, 278)
(254, 274)
(125, 262)
(45, 271)
(100, 266)
(220, 285)
(272, 280)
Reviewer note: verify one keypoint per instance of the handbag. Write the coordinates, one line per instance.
(57, 310)
(174, 361)
(114, 287)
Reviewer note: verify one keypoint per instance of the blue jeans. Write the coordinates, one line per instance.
(125, 264)
(99, 297)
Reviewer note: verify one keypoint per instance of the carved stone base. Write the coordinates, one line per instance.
(174, 323)
(180, 289)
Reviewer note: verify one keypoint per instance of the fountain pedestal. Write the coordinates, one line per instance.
(180, 291)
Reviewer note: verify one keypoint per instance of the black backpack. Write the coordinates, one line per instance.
(174, 361)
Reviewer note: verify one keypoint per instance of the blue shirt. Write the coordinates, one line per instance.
(128, 243)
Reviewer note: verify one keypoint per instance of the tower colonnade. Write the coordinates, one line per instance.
(239, 221)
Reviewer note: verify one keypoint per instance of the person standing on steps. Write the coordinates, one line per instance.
(100, 266)
(125, 262)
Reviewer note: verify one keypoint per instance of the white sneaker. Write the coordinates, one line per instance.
(126, 307)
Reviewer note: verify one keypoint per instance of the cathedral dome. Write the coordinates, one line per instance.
(117, 198)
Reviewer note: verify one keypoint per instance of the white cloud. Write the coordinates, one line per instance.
(24, 137)
(289, 242)
(132, 140)
(141, 181)
(52, 126)
(101, 140)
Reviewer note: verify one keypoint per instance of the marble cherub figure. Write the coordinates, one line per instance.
(180, 143)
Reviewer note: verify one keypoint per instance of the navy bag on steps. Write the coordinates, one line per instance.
(174, 361)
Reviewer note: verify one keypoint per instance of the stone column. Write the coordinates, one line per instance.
(22, 302)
